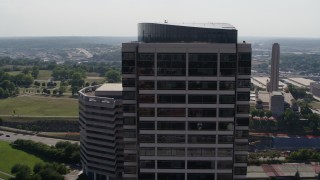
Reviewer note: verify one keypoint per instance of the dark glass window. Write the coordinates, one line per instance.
(242, 134)
(201, 152)
(146, 125)
(203, 64)
(171, 138)
(202, 126)
(200, 176)
(128, 56)
(128, 82)
(201, 164)
(226, 112)
(171, 112)
(227, 85)
(171, 99)
(228, 64)
(202, 99)
(166, 151)
(171, 176)
(147, 164)
(171, 64)
(128, 66)
(225, 152)
(129, 108)
(202, 112)
(146, 138)
(147, 151)
(239, 146)
(202, 85)
(129, 95)
(202, 139)
(129, 133)
(244, 64)
(240, 170)
(225, 164)
(146, 85)
(171, 125)
(243, 96)
(147, 176)
(146, 112)
(129, 121)
(171, 85)
(224, 176)
(146, 98)
(225, 139)
(170, 164)
(130, 158)
(243, 109)
(243, 121)
(226, 126)
(146, 64)
(227, 99)
(241, 158)
(130, 169)
(243, 83)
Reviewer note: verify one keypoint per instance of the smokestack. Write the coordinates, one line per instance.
(274, 82)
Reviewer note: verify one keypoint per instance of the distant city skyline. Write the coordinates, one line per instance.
(268, 18)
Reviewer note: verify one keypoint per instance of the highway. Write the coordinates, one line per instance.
(14, 136)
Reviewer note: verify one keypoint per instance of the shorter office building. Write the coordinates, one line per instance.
(289, 171)
(276, 103)
(100, 119)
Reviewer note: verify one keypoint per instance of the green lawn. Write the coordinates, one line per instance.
(9, 157)
(315, 105)
(13, 73)
(44, 74)
(39, 106)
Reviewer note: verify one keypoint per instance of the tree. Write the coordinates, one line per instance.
(268, 114)
(254, 113)
(21, 172)
(26, 70)
(113, 76)
(35, 72)
(62, 89)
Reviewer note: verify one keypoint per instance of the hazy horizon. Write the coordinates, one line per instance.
(262, 18)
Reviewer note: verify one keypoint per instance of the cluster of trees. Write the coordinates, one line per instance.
(47, 171)
(306, 63)
(268, 157)
(65, 152)
(304, 155)
(299, 93)
(113, 76)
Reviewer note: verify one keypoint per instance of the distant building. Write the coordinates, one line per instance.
(274, 80)
(315, 89)
(276, 103)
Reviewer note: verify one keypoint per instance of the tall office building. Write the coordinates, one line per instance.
(274, 81)
(186, 92)
(100, 119)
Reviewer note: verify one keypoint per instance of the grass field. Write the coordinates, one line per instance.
(9, 157)
(315, 105)
(39, 106)
(44, 74)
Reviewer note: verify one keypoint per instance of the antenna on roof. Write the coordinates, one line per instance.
(165, 21)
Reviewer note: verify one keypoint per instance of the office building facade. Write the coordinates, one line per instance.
(186, 92)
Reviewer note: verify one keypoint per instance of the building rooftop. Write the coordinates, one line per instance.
(282, 170)
(203, 25)
(110, 87)
(302, 81)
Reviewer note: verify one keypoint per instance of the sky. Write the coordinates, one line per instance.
(268, 18)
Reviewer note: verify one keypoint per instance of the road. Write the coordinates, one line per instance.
(13, 136)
